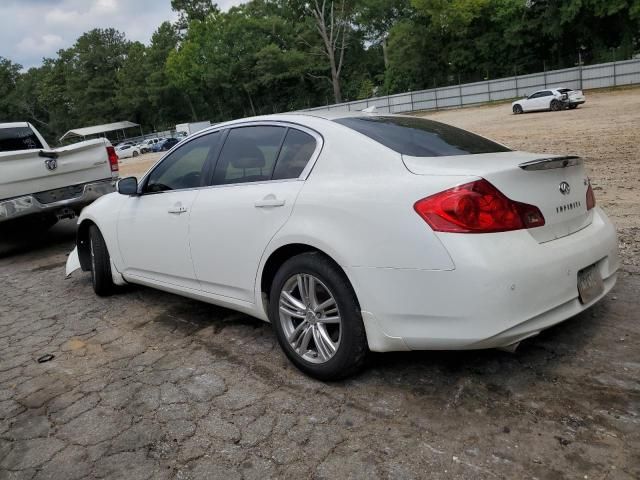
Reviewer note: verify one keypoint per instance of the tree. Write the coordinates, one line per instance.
(9, 75)
(193, 10)
(377, 17)
(332, 24)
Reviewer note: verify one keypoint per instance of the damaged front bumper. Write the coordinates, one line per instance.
(73, 262)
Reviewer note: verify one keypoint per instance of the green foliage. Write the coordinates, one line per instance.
(267, 56)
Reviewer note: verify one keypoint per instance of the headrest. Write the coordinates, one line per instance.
(247, 155)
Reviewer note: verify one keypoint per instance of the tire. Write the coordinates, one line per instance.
(517, 109)
(573, 106)
(347, 336)
(555, 106)
(135, 154)
(100, 263)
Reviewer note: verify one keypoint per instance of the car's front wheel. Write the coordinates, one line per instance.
(517, 109)
(316, 317)
(100, 263)
(573, 106)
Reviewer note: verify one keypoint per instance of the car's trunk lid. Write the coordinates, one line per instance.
(555, 184)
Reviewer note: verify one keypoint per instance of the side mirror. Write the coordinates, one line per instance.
(127, 186)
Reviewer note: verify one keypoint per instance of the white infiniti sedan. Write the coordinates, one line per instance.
(357, 232)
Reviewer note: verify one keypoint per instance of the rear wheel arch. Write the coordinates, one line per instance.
(282, 254)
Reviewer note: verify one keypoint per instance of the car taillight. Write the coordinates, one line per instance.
(591, 198)
(476, 207)
(113, 158)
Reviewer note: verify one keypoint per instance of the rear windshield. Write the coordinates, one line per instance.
(564, 90)
(18, 138)
(419, 137)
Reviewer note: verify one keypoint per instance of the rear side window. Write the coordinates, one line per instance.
(18, 138)
(249, 155)
(297, 149)
(419, 137)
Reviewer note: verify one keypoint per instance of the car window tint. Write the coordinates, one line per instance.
(295, 154)
(420, 137)
(18, 138)
(248, 155)
(184, 167)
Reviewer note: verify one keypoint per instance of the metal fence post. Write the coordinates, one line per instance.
(580, 67)
(544, 69)
(615, 81)
(489, 89)
(411, 97)
(460, 89)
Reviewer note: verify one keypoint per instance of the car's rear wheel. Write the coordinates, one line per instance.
(100, 263)
(316, 317)
(573, 106)
(517, 109)
(556, 105)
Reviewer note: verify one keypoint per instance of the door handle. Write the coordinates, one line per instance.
(177, 209)
(269, 201)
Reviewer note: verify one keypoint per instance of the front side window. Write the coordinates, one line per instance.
(18, 138)
(249, 155)
(183, 168)
(419, 137)
(297, 149)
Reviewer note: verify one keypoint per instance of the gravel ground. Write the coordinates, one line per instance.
(148, 385)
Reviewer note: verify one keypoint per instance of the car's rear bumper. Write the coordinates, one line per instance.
(505, 287)
(30, 205)
(575, 100)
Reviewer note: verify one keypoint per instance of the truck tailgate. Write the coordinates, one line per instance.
(31, 171)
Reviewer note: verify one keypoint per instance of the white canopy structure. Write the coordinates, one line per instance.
(98, 129)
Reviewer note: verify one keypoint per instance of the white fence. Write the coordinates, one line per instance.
(583, 78)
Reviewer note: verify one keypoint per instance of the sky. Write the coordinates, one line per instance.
(33, 29)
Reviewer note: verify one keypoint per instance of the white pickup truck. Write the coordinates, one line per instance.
(43, 184)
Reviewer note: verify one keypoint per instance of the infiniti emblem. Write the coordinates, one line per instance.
(564, 188)
(51, 163)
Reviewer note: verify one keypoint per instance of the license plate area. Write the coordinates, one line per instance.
(590, 284)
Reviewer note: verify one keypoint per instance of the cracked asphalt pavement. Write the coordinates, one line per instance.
(147, 385)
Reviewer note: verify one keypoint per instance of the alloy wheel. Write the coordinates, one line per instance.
(310, 318)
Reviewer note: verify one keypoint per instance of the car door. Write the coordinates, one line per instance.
(544, 100)
(153, 227)
(532, 102)
(257, 178)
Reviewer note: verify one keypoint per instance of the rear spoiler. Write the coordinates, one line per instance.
(550, 163)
